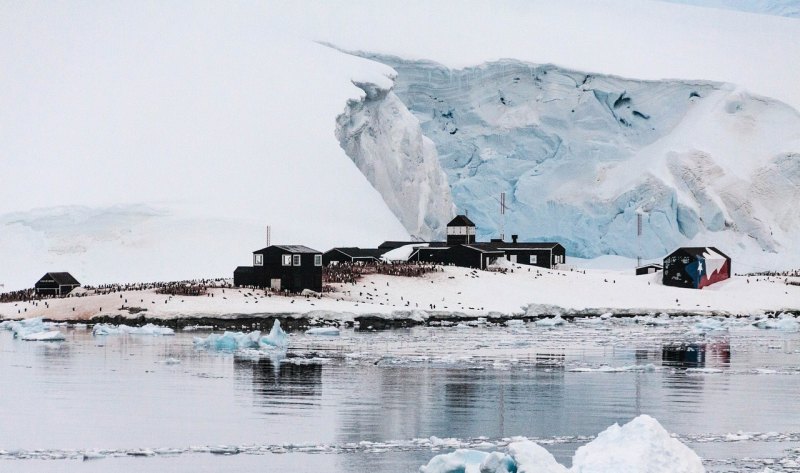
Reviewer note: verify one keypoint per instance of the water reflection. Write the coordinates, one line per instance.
(277, 379)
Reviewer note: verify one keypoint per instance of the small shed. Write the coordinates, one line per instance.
(696, 267)
(56, 284)
(648, 269)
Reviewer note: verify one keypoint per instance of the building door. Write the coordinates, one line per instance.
(275, 284)
(512, 258)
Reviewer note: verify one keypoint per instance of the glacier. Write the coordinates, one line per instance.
(581, 155)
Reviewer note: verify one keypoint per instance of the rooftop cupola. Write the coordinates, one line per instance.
(460, 231)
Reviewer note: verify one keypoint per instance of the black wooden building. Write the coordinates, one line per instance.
(56, 284)
(290, 268)
(461, 249)
(352, 255)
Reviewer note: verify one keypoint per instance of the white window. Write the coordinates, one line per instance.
(258, 260)
(533, 259)
(296, 260)
(471, 230)
(317, 260)
(287, 260)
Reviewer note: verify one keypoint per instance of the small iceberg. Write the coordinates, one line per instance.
(35, 330)
(785, 323)
(640, 446)
(323, 331)
(49, 336)
(149, 329)
(551, 322)
(232, 341)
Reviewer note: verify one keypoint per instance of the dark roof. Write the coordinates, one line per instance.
(244, 269)
(483, 248)
(697, 251)
(461, 221)
(391, 245)
(290, 249)
(63, 279)
(651, 265)
(355, 252)
(533, 245)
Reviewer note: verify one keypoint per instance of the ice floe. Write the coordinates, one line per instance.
(784, 323)
(35, 330)
(640, 446)
(232, 341)
(148, 329)
(329, 331)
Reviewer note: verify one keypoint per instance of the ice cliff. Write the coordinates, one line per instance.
(387, 145)
(579, 155)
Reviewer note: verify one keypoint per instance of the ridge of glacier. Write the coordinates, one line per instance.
(579, 155)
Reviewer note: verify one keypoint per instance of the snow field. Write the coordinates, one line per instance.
(453, 292)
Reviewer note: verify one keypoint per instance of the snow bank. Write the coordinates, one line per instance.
(148, 329)
(640, 446)
(402, 253)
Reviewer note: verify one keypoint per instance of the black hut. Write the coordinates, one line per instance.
(56, 284)
(696, 267)
(290, 268)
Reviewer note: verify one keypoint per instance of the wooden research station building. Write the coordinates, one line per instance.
(461, 249)
(290, 268)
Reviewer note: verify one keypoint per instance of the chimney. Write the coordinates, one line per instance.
(514, 239)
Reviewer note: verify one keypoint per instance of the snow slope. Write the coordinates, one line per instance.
(580, 154)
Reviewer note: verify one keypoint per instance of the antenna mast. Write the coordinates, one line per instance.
(269, 234)
(502, 216)
(639, 238)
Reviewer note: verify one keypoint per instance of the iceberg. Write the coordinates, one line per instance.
(32, 330)
(277, 338)
(49, 336)
(229, 341)
(232, 341)
(148, 329)
(785, 323)
(551, 322)
(329, 331)
(640, 446)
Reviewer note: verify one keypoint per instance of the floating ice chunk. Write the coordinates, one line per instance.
(24, 327)
(50, 336)
(229, 341)
(785, 323)
(92, 455)
(277, 338)
(648, 320)
(640, 446)
(552, 322)
(460, 461)
(710, 325)
(329, 331)
(515, 323)
(530, 457)
(148, 329)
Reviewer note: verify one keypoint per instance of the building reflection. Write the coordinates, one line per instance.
(276, 378)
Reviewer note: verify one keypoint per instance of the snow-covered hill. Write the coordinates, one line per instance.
(788, 8)
(580, 154)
